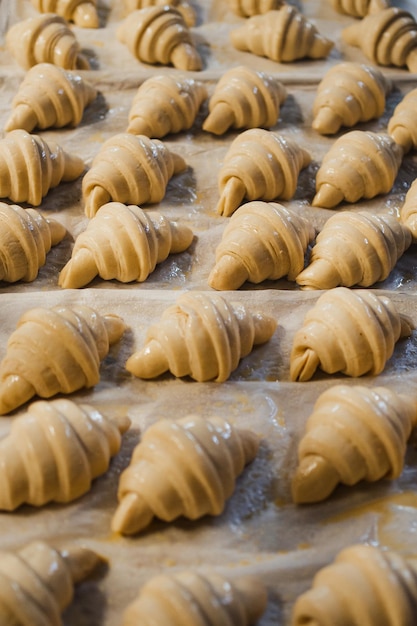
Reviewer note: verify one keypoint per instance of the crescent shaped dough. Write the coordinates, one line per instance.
(182, 6)
(359, 8)
(55, 350)
(247, 8)
(354, 433)
(207, 599)
(353, 332)
(202, 336)
(408, 212)
(355, 248)
(54, 451)
(244, 98)
(402, 126)
(184, 467)
(82, 12)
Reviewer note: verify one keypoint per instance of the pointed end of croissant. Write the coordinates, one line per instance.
(187, 13)
(132, 515)
(96, 199)
(220, 119)
(82, 562)
(321, 47)
(85, 15)
(315, 479)
(250, 443)
(304, 365)
(264, 328)
(407, 326)
(229, 273)
(411, 61)
(123, 423)
(14, 392)
(185, 57)
(149, 362)
(402, 137)
(115, 327)
(74, 166)
(327, 197)
(231, 197)
(80, 270)
(57, 231)
(140, 126)
(182, 237)
(23, 117)
(254, 597)
(326, 121)
(351, 34)
(320, 274)
(239, 38)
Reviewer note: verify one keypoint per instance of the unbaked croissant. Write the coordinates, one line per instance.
(123, 243)
(165, 104)
(353, 332)
(37, 582)
(387, 38)
(247, 8)
(354, 433)
(284, 35)
(82, 12)
(349, 93)
(37, 467)
(208, 599)
(132, 169)
(364, 585)
(56, 350)
(408, 212)
(30, 167)
(259, 165)
(261, 241)
(355, 248)
(244, 98)
(182, 6)
(159, 34)
(359, 8)
(45, 39)
(25, 239)
(202, 336)
(360, 164)
(402, 126)
(184, 467)
(50, 96)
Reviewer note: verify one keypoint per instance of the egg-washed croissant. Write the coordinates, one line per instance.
(182, 6)
(37, 581)
(45, 38)
(159, 35)
(165, 104)
(355, 248)
(244, 98)
(349, 93)
(261, 241)
(30, 167)
(353, 332)
(203, 598)
(82, 12)
(132, 169)
(354, 433)
(123, 243)
(284, 35)
(50, 97)
(37, 467)
(359, 164)
(55, 350)
(202, 336)
(25, 239)
(259, 165)
(364, 585)
(408, 212)
(359, 8)
(186, 467)
(402, 126)
(388, 37)
(247, 8)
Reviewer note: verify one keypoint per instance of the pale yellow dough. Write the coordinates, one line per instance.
(261, 241)
(408, 212)
(55, 350)
(402, 126)
(353, 332)
(82, 12)
(37, 467)
(259, 165)
(123, 243)
(202, 336)
(244, 98)
(186, 467)
(184, 7)
(359, 8)
(208, 599)
(247, 8)
(354, 433)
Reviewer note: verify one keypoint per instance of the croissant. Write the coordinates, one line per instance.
(359, 8)
(353, 332)
(164, 104)
(388, 37)
(30, 167)
(355, 248)
(55, 350)
(259, 166)
(159, 34)
(185, 467)
(408, 212)
(25, 239)
(360, 164)
(125, 243)
(62, 466)
(45, 39)
(349, 93)
(200, 336)
(37, 582)
(132, 169)
(284, 35)
(261, 241)
(247, 8)
(207, 599)
(364, 585)
(182, 6)
(402, 126)
(244, 98)
(354, 433)
(82, 12)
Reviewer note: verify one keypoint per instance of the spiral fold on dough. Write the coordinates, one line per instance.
(184, 7)
(359, 8)
(402, 126)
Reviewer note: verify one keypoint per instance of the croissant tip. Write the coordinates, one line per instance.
(131, 516)
(228, 274)
(314, 480)
(82, 562)
(304, 365)
(149, 362)
(85, 16)
(327, 196)
(14, 392)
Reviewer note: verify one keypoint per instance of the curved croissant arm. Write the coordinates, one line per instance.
(202, 336)
(359, 8)
(247, 8)
(408, 212)
(185, 467)
(402, 126)
(82, 12)
(354, 433)
(182, 6)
